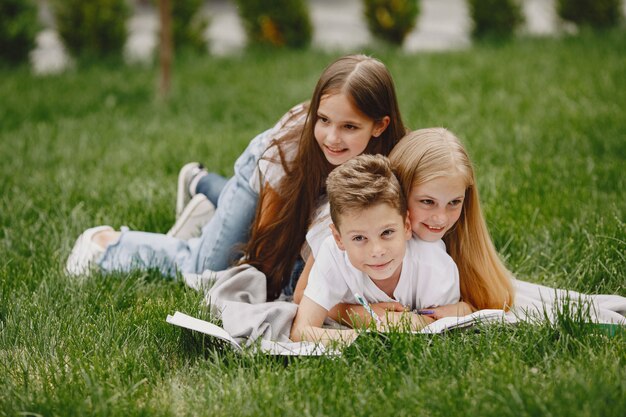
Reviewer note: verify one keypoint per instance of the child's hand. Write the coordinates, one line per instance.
(449, 310)
(381, 308)
(384, 309)
(403, 321)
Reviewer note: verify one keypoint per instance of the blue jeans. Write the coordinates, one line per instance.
(215, 249)
(211, 185)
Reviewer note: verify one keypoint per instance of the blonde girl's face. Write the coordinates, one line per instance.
(435, 206)
(342, 131)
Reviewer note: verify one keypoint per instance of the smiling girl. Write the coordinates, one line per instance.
(438, 179)
(279, 183)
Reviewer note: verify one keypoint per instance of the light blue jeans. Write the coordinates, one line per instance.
(215, 249)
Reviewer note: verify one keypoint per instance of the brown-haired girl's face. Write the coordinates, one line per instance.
(435, 206)
(341, 130)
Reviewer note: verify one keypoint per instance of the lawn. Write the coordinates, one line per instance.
(543, 119)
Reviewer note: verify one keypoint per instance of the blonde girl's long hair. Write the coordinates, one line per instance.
(278, 233)
(427, 154)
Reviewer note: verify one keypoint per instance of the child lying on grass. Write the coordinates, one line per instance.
(372, 253)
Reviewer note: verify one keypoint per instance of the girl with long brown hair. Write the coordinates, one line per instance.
(279, 183)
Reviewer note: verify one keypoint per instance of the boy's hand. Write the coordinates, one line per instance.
(386, 311)
(403, 321)
(381, 308)
(459, 309)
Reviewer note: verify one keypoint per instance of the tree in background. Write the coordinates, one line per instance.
(279, 23)
(189, 24)
(495, 18)
(391, 20)
(18, 29)
(593, 13)
(92, 27)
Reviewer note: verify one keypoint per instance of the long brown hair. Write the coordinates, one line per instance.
(427, 154)
(278, 233)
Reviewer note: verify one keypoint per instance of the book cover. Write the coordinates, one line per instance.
(265, 346)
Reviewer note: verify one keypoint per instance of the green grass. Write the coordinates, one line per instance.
(543, 120)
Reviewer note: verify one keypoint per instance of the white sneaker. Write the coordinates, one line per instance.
(185, 176)
(195, 215)
(85, 252)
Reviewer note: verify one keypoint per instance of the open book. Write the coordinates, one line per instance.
(316, 349)
(480, 316)
(265, 346)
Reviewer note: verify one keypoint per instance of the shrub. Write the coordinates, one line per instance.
(276, 23)
(391, 20)
(594, 13)
(18, 29)
(188, 24)
(499, 18)
(92, 27)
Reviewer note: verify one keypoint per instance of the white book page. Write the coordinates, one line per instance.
(266, 346)
(192, 323)
(464, 321)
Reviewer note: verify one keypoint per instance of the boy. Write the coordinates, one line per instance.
(372, 253)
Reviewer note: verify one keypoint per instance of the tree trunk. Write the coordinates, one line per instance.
(166, 48)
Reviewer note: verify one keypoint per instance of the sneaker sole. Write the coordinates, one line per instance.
(80, 259)
(188, 216)
(182, 193)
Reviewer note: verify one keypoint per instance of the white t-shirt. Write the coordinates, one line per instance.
(429, 277)
(319, 230)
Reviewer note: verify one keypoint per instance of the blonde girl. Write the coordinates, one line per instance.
(442, 198)
(426, 161)
(278, 184)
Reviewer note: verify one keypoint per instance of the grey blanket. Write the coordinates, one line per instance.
(238, 295)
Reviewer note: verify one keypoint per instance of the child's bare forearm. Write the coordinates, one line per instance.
(459, 309)
(406, 321)
(323, 336)
(354, 315)
(307, 325)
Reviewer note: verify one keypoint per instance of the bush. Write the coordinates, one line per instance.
(391, 20)
(18, 28)
(497, 18)
(276, 23)
(594, 13)
(92, 27)
(188, 24)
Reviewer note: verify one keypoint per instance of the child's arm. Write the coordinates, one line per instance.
(406, 321)
(307, 326)
(298, 292)
(459, 309)
(393, 315)
(341, 313)
(354, 315)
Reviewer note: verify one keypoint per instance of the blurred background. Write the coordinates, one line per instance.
(64, 29)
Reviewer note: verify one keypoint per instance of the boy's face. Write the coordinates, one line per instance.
(375, 240)
(435, 206)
